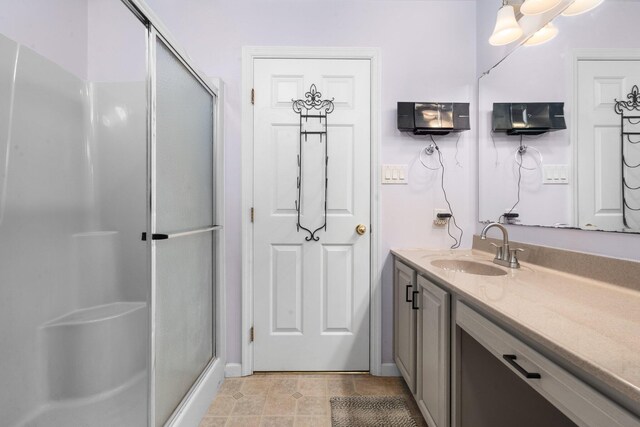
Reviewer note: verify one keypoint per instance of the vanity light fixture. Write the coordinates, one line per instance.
(543, 35)
(581, 6)
(537, 7)
(507, 29)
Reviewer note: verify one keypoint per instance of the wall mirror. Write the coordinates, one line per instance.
(585, 176)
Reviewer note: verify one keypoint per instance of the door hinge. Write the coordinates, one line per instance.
(251, 336)
(252, 214)
(253, 96)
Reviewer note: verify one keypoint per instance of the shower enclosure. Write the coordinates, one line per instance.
(110, 222)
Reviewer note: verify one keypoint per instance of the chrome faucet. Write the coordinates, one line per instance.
(504, 256)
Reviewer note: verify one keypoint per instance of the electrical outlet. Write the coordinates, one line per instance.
(513, 219)
(440, 222)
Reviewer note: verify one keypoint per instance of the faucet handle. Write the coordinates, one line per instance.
(512, 254)
(499, 250)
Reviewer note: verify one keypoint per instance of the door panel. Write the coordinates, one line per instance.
(286, 307)
(317, 317)
(184, 322)
(341, 192)
(184, 184)
(338, 289)
(183, 269)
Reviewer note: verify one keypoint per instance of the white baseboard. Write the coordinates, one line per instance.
(233, 370)
(388, 370)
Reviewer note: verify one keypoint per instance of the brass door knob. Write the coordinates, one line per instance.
(361, 229)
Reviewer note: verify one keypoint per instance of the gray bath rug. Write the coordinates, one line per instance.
(362, 411)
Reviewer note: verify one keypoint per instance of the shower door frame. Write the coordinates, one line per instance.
(195, 403)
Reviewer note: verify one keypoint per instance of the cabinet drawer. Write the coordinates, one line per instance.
(581, 403)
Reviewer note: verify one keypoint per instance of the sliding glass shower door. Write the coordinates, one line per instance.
(183, 229)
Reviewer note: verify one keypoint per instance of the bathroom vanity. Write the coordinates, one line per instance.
(483, 345)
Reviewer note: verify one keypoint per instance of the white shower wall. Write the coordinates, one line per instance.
(39, 215)
(72, 210)
(119, 142)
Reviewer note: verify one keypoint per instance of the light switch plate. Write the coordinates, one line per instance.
(555, 174)
(395, 174)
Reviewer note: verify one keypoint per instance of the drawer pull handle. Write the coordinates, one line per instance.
(511, 360)
(406, 293)
(413, 300)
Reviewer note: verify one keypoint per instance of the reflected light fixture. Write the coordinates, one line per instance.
(536, 7)
(581, 6)
(543, 35)
(507, 29)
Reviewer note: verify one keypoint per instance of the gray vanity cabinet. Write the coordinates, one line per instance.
(404, 341)
(433, 363)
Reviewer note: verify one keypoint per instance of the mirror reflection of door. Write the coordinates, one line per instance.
(600, 147)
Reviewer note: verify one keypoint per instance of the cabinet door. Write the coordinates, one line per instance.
(433, 353)
(405, 323)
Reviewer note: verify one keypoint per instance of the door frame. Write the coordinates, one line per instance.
(249, 55)
(589, 54)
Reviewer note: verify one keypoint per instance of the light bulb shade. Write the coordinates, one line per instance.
(536, 7)
(507, 29)
(581, 6)
(543, 35)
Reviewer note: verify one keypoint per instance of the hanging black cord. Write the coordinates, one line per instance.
(458, 241)
(520, 152)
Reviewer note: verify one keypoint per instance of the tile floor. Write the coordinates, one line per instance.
(277, 399)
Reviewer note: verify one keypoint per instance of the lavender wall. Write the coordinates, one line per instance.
(591, 30)
(428, 53)
(56, 29)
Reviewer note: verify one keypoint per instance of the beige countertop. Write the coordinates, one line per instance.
(592, 325)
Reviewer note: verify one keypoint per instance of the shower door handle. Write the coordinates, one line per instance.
(157, 236)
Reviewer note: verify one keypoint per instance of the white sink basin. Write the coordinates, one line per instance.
(469, 267)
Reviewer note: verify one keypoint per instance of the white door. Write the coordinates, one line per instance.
(599, 150)
(311, 298)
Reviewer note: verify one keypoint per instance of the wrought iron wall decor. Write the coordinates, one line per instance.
(312, 107)
(629, 112)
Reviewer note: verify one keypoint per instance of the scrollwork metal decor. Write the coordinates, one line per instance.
(623, 108)
(312, 107)
(313, 101)
(633, 102)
